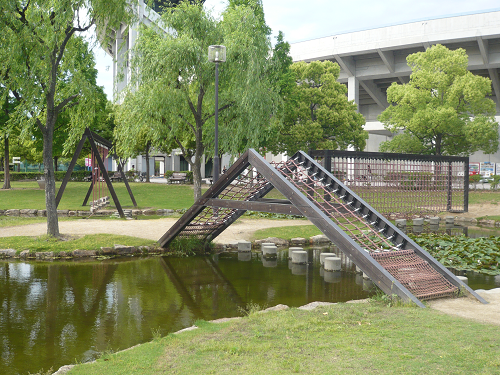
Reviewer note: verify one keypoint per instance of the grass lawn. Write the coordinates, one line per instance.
(341, 339)
(304, 231)
(27, 195)
(88, 242)
(10, 221)
(484, 197)
(154, 195)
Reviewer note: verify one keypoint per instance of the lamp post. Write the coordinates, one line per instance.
(216, 54)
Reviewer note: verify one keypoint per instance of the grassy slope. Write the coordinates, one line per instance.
(344, 338)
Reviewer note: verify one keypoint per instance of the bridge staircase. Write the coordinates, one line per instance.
(394, 262)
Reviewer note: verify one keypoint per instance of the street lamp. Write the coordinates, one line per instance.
(216, 54)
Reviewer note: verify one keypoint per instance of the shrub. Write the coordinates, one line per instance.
(59, 175)
(495, 182)
(474, 179)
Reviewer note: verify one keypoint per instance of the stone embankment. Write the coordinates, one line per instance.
(103, 252)
(459, 220)
(120, 250)
(82, 213)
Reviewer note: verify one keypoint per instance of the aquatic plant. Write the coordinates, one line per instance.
(463, 253)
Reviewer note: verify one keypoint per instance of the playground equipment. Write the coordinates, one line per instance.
(100, 184)
(394, 262)
(100, 197)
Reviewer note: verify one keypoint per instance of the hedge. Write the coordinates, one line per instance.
(19, 176)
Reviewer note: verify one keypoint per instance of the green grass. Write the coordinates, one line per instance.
(341, 339)
(304, 231)
(88, 242)
(27, 195)
(484, 197)
(492, 217)
(11, 221)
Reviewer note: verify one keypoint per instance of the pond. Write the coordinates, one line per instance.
(56, 313)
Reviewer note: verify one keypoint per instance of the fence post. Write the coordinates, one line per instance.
(328, 166)
(466, 185)
(450, 193)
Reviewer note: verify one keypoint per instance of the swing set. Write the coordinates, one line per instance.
(100, 197)
(100, 184)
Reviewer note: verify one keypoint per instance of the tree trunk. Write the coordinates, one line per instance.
(6, 176)
(197, 178)
(148, 146)
(50, 182)
(56, 158)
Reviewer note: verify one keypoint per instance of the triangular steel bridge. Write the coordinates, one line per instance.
(390, 258)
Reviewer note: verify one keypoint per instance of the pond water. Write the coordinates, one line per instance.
(56, 313)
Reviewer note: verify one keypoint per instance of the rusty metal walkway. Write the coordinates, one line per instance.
(391, 259)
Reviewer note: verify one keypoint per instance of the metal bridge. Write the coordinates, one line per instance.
(394, 262)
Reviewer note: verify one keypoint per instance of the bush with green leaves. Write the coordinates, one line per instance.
(59, 175)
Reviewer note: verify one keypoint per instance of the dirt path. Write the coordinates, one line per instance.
(479, 210)
(242, 229)
(471, 308)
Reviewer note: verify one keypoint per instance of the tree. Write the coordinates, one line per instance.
(172, 92)
(6, 132)
(317, 114)
(281, 75)
(443, 110)
(101, 124)
(47, 64)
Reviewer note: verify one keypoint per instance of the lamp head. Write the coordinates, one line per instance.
(217, 54)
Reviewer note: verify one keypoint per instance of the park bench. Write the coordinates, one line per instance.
(178, 178)
(117, 176)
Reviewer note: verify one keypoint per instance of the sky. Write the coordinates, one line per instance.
(305, 20)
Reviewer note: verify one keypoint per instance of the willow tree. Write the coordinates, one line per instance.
(173, 90)
(47, 64)
(443, 110)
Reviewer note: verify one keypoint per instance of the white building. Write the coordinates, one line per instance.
(370, 60)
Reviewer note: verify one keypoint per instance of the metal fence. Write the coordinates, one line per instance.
(402, 185)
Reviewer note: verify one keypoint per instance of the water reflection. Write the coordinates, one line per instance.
(54, 313)
(453, 230)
